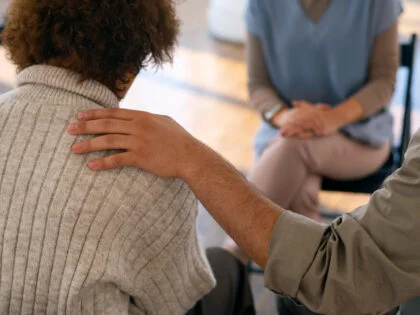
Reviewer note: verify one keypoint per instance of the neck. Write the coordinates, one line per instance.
(66, 63)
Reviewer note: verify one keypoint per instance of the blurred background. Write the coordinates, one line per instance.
(205, 90)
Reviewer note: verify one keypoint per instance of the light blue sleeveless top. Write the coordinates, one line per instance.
(327, 61)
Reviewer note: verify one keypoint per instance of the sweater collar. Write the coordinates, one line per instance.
(60, 79)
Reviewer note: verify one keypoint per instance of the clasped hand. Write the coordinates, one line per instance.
(305, 120)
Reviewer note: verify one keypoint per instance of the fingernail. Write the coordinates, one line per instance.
(77, 146)
(72, 127)
(82, 115)
(93, 165)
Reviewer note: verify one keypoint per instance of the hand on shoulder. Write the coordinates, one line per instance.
(155, 143)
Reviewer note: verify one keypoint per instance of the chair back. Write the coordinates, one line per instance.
(407, 57)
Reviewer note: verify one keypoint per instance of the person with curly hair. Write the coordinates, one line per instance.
(73, 241)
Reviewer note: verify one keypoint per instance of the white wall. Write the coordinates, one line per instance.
(226, 19)
(3, 6)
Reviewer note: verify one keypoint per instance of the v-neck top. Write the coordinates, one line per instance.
(325, 61)
(315, 9)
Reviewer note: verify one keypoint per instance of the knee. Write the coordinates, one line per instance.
(290, 146)
(292, 143)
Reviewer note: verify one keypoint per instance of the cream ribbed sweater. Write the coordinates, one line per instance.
(74, 241)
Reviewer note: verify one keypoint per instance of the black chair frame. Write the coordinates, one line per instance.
(1, 30)
(373, 182)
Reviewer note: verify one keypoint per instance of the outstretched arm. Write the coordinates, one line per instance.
(159, 145)
(364, 262)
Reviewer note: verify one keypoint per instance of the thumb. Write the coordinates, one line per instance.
(323, 106)
(298, 104)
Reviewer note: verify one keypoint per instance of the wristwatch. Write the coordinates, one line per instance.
(269, 115)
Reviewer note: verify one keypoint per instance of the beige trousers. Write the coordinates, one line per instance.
(290, 170)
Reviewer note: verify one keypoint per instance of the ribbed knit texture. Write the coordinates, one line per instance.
(75, 241)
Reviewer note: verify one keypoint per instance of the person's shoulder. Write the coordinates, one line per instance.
(258, 5)
(153, 190)
(388, 2)
(384, 13)
(10, 97)
(387, 5)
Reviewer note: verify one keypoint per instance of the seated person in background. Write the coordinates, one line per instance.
(322, 72)
(74, 241)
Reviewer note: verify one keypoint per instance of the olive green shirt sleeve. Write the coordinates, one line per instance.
(365, 262)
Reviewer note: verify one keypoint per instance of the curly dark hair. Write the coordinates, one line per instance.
(102, 40)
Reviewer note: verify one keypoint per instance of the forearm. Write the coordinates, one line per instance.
(243, 213)
(346, 113)
(375, 96)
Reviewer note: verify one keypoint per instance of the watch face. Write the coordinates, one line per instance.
(269, 115)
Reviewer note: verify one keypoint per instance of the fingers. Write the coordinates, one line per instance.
(316, 124)
(108, 142)
(323, 106)
(303, 128)
(313, 123)
(305, 135)
(102, 126)
(114, 113)
(113, 161)
(301, 104)
(309, 117)
(290, 130)
(300, 134)
(297, 104)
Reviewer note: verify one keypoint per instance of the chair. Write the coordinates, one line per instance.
(1, 30)
(373, 182)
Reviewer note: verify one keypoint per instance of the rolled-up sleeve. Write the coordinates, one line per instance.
(291, 256)
(365, 262)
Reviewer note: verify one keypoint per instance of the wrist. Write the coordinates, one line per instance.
(270, 115)
(333, 119)
(346, 113)
(194, 162)
(277, 120)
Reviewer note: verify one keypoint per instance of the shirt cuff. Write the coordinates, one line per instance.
(294, 242)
